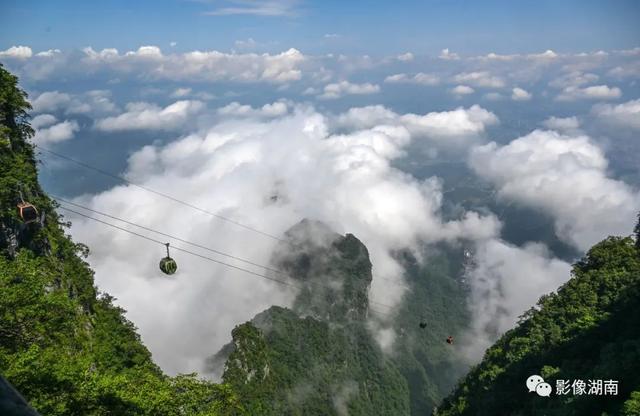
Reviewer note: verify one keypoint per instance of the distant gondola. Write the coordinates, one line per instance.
(450, 340)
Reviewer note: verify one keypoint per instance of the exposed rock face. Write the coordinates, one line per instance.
(334, 272)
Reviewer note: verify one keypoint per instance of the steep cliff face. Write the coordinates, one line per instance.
(333, 272)
(319, 358)
(66, 348)
(589, 330)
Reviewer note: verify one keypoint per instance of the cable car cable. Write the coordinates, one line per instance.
(169, 235)
(158, 193)
(281, 272)
(283, 282)
(120, 178)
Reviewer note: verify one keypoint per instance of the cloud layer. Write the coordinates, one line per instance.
(564, 176)
(268, 169)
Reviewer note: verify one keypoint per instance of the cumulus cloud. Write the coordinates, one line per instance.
(574, 79)
(49, 53)
(50, 101)
(405, 57)
(420, 78)
(149, 61)
(567, 125)
(565, 177)
(462, 90)
(17, 52)
(547, 55)
(479, 79)
(269, 174)
(48, 130)
(94, 102)
(629, 70)
(447, 55)
(454, 129)
(625, 115)
(595, 92)
(146, 116)
(518, 94)
(505, 281)
(339, 89)
(236, 109)
(268, 8)
(181, 92)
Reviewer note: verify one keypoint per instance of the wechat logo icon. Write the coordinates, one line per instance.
(537, 384)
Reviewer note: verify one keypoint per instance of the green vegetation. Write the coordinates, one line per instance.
(326, 363)
(66, 348)
(588, 330)
(437, 298)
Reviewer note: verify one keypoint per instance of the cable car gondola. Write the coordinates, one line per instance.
(28, 213)
(167, 264)
(450, 340)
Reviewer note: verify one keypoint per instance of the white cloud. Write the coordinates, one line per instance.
(17, 52)
(49, 53)
(405, 57)
(47, 130)
(181, 92)
(94, 102)
(566, 125)
(547, 55)
(234, 168)
(173, 44)
(420, 78)
(629, 70)
(246, 44)
(630, 52)
(454, 129)
(269, 8)
(595, 92)
(565, 177)
(50, 101)
(278, 108)
(146, 116)
(448, 56)
(462, 90)
(339, 89)
(149, 61)
(505, 281)
(574, 79)
(518, 94)
(479, 79)
(492, 56)
(43, 120)
(332, 36)
(621, 115)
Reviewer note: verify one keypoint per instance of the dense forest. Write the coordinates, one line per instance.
(588, 330)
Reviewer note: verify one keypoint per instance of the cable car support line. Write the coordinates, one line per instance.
(242, 269)
(158, 193)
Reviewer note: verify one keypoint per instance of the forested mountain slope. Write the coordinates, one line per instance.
(66, 348)
(588, 330)
(318, 358)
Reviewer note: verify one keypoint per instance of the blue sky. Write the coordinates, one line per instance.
(373, 27)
